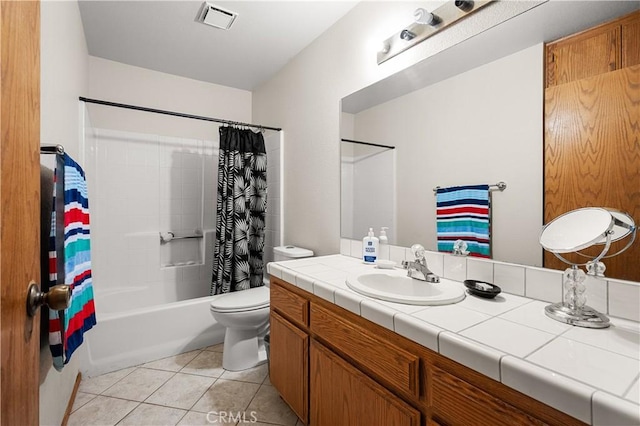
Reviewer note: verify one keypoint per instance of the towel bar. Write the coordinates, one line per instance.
(500, 186)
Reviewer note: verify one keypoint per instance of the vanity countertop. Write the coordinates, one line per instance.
(591, 374)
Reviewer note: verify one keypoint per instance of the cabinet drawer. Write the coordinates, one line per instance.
(379, 356)
(290, 305)
(456, 402)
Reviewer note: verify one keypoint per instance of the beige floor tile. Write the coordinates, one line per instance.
(81, 399)
(252, 375)
(195, 418)
(152, 415)
(97, 385)
(267, 380)
(101, 410)
(172, 363)
(270, 408)
(227, 395)
(215, 348)
(138, 385)
(181, 391)
(207, 363)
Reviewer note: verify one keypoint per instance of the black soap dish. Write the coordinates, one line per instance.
(482, 289)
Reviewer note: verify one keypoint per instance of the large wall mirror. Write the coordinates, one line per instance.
(472, 114)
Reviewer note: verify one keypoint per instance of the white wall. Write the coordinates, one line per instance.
(482, 126)
(304, 99)
(368, 191)
(117, 82)
(64, 72)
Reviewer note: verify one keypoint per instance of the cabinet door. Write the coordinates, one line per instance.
(585, 55)
(340, 394)
(289, 364)
(631, 42)
(456, 402)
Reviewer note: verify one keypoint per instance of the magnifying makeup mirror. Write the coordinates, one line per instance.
(572, 232)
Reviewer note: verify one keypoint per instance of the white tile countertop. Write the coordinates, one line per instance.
(590, 374)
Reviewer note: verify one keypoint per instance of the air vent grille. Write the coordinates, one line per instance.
(216, 16)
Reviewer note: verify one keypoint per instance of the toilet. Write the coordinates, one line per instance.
(245, 315)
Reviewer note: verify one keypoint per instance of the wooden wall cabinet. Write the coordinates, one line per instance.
(599, 50)
(359, 373)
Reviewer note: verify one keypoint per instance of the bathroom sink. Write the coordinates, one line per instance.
(395, 286)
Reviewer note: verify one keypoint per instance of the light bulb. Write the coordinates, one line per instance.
(422, 16)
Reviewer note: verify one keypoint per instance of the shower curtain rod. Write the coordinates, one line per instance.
(176, 114)
(368, 143)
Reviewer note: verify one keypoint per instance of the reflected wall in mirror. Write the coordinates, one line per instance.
(367, 189)
(477, 123)
(480, 127)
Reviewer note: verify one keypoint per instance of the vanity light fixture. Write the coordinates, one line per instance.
(426, 24)
(407, 35)
(215, 16)
(575, 231)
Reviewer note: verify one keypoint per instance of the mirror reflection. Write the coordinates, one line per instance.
(480, 126)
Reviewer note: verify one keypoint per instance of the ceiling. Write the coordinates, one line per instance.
(163, 36)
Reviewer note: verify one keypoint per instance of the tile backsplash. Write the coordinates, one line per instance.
(618, 298)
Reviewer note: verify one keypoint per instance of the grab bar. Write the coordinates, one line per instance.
(167, 237)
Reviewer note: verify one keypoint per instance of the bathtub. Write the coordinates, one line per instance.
(133, 337)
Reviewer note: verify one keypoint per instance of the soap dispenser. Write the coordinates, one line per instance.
(370, 247)
(383, 235)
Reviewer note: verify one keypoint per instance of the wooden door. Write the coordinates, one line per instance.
(340, 394)
(20, 211)
(289, 364)
(592, 154)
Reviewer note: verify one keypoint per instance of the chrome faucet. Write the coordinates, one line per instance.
(418, 269)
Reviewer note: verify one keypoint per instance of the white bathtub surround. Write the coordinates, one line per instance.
(141, 185)
(126, 339)
(588, 373)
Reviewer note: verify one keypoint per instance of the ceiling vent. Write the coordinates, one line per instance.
(216, 16)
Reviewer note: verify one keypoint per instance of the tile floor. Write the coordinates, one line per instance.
(187, 389)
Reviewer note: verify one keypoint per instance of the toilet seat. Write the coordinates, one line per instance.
(240, 301)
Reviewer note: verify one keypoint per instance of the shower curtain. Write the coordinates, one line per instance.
(240, 211)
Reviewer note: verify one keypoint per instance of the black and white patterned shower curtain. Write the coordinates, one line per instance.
(241, 207)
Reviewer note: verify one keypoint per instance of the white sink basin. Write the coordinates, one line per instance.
(395, 286)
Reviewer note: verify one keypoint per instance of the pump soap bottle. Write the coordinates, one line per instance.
(370, 247)
(383, 250)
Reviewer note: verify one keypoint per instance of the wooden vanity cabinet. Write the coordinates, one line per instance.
(336, 368)
(289, 348)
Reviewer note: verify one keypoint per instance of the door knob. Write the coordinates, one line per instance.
(57, 298)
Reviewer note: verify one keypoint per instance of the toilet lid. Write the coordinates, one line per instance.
(254, 298)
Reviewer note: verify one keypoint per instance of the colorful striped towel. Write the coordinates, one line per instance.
(463, 213)
(66, 328)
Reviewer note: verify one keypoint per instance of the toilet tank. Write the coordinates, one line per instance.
(290, 252)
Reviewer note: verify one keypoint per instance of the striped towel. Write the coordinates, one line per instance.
(463, 213)
(66, 328)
